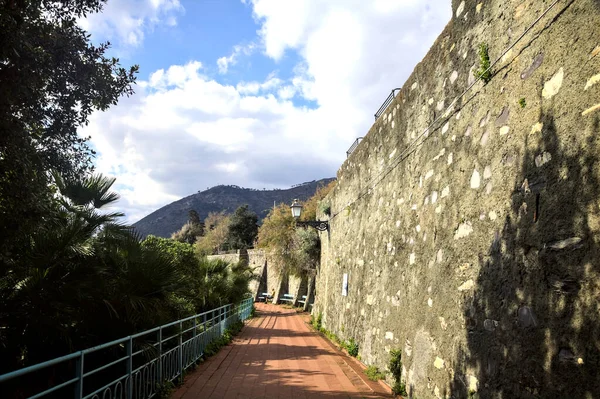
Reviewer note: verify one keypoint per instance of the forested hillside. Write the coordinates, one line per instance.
(168, 219)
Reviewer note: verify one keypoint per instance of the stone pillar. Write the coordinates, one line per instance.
(309, 292)
(261, 284)
(282, 286)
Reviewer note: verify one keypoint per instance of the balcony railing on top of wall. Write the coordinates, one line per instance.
(386, 103)
(136, 366)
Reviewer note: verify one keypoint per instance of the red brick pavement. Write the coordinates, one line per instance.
(278, 356)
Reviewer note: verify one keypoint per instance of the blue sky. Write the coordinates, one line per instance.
(257, 93)
(207, 30)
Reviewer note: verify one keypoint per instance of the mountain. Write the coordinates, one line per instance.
(170, 218)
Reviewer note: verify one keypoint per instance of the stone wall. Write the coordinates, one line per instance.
(258, 263)
(269, 277)
(470, 229)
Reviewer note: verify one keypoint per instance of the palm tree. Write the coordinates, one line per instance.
(82, 278)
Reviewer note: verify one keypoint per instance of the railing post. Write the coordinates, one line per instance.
(79, 375)
(160, 370)
(180, 351)
(194, 342)
(129, 348)
(204, 333)
(219, 322)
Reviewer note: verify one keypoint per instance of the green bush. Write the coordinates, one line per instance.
(213, 347)
(164, 390)
(374, 374)
(352, 347)
(399, 388)
(395, 366)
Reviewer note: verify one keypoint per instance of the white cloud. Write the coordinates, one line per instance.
(126, 21)
(224, 62)
(353, 52)
(286, 92)
(184, 131)
(255, 87)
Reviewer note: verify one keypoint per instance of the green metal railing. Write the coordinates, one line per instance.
(136, 366)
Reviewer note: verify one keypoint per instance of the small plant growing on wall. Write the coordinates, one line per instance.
(522, 103)
(395, 366)
(325, 208)
(348, 210)
(484, 73)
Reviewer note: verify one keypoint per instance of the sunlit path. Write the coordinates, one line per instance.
(277, 356)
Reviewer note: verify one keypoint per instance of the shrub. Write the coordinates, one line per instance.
(164, 390)
(374, 374)
(395, 366)
(352, 347)
(213, 347)
(399, 388)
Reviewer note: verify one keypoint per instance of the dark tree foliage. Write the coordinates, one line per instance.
(194, 217)
(51, 79)
(191, 230)
(243, 228)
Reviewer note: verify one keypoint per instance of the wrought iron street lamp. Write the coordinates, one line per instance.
(317, 224)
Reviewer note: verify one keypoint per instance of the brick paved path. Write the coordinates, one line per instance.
(278, 356)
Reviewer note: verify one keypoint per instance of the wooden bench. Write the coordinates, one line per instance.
(264, 297)
(287, 298)
(303, 300)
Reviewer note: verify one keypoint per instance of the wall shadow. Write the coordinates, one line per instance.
(532, 324)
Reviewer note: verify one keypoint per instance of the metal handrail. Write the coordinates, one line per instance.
(143, 377)
(353, 147)
(386, 103)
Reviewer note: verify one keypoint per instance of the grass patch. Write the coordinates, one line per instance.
(317, 322)
(351, 345)
(374, 374)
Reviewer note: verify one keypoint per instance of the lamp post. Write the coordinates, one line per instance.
(317, 224)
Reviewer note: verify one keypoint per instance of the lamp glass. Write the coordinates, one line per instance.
(296, 209)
